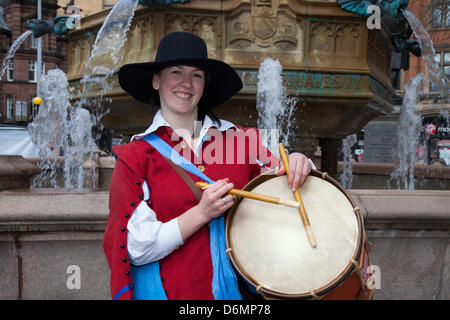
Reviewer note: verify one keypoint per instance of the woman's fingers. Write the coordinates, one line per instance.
(299, 169)
(226, 201)
(296, 171)
(217, 192)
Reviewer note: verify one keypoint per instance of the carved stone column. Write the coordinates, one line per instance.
(330, 153)
(305, 145)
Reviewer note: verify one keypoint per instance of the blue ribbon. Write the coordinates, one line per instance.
(147, 280)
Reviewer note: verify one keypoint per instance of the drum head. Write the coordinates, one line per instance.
(269, 243)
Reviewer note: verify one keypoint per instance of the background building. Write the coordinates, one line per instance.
(380, 135)
(433, 105)
(87, 7)
(18, 84)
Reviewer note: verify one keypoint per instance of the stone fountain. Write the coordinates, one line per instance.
(339, 71)
(338, 68)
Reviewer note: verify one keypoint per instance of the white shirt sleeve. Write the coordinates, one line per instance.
(313, 165)
(148, 239)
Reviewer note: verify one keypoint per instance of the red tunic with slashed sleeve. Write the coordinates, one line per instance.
(187, 272)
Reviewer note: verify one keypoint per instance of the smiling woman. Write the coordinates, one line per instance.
(165, 239)
(180, 90)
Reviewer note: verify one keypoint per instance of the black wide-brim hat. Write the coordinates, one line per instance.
(181, 48)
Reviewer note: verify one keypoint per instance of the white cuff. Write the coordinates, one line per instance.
(313, 165)
(149, 240)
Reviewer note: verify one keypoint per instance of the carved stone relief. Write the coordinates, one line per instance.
(347, 39)
(203, 26)
(263, 25)
(378, 54)
(328, 38)
(140, 41)
(322, 38)
(80, 51)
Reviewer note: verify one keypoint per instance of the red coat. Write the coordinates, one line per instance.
(186, 272)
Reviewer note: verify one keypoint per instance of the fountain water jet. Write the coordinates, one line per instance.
(105, 57)
(408, 135)
(436, 74)
(12, 50)
(275, 108)
(55, 135)
(62, 129)
(346, 177)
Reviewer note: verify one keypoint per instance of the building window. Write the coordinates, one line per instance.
(9, 108)
(32, 70)
(21, 111)
(443, 61)
(33, 42)
(10, 70)
(441, 14)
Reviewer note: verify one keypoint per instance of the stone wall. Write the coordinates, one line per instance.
(49, 236)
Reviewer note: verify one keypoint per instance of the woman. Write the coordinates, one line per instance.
(163, 239)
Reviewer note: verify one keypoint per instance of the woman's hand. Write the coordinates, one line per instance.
(299, 168)
(215, 201)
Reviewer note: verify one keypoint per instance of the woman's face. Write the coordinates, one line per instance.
(180, 88)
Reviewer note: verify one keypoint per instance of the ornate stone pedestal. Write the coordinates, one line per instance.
(338, 69)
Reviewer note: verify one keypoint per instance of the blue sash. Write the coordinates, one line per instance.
(147, 280)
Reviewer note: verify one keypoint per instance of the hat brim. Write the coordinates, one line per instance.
(136, 80)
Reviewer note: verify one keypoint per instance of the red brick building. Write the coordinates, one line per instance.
(434, 109)
(18, 84)
(435, 16)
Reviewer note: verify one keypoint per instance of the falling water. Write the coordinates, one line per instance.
(436, 74)
(64, 129)
(275, 108)
(12, 50)
(346, 178)
(54, 135)
(410, 122)
(104, 59)
(445, 116)
(98, 78)
(408, 135)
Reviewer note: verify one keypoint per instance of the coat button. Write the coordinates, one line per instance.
(138, 183)
(131, 286)
(132, 203)
(122, 245)
(201, 168)
(122, 229)
(127, 273)
(141, 197)
(126, 215)
(124, 259)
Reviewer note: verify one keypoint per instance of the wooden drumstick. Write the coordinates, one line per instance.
(298, 198)
(255, 196)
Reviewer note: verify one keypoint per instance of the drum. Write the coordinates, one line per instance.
(268, 246)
